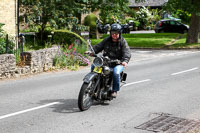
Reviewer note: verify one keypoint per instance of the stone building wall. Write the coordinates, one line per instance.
(35, 62)
(8, 16)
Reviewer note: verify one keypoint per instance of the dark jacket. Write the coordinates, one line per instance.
(114, 50)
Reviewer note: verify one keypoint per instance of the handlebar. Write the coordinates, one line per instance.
(90, 54)
(115, 61)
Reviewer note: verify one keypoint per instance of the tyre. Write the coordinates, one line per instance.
(85, 98)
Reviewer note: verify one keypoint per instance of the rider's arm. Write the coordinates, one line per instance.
(126, 52)
(100, 46)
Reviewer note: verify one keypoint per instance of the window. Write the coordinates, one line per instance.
(172, 23)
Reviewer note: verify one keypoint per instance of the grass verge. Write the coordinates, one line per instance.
(147, 40)
(181, 43)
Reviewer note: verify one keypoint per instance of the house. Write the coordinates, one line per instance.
(147, 3)
(8, 17)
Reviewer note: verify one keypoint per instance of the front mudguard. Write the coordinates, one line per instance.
(90, 76)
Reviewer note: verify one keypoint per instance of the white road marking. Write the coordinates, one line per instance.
(137, 82)
(27, 110)
(50, 104)
(185, 71)
(144, 51)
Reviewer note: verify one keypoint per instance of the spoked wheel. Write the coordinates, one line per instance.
(85, 98)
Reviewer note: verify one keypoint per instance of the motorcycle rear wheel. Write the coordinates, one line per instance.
(85, 99)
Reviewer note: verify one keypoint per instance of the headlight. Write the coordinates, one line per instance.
(106, 70)
(98, 62)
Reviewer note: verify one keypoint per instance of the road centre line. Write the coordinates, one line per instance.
(137, 82)
(50, 104)
(27, 110)
(184, 71)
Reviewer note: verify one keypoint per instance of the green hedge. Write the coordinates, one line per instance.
(66, 37)
(90, 20)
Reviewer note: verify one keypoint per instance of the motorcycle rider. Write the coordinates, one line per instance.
(115, 47)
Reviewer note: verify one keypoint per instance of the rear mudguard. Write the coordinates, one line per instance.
(90, 76)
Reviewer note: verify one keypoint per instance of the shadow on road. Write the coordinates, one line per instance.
(96, 103)
(63, 106)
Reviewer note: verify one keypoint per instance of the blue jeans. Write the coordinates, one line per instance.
(116, 76)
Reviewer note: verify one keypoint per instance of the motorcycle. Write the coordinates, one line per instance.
(97, 85)
(125, 28)
(102, 28)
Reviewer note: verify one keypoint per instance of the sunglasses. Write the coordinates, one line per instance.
(114, 32)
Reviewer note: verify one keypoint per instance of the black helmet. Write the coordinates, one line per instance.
(116, 27)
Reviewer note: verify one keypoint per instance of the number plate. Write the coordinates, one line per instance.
(98, 69)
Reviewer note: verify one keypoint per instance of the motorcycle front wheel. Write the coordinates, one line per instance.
(85, 98)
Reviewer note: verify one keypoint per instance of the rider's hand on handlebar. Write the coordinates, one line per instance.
(89, 53)
(124, 64)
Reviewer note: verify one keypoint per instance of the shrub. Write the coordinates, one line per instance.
(66, 37)
(3, 42)
(2, 46)
(90, 20)
(60, 61)
(71, 57)
(135, 23)
(142, 17)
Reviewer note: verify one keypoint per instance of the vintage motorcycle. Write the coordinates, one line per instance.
(102, 28)
(97, 85)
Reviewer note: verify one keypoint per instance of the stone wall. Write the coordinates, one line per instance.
(8, 16)
(35, 62)
(7, 65)
(41, 60)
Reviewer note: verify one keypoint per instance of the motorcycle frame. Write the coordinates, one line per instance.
(100, 85)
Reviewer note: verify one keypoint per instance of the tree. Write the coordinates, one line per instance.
(66, 13)
(191, 6)
(54, 13)
(109, 9)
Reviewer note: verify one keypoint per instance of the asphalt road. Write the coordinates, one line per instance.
(158, 82)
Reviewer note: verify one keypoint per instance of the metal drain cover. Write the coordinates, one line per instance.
(166, 123)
